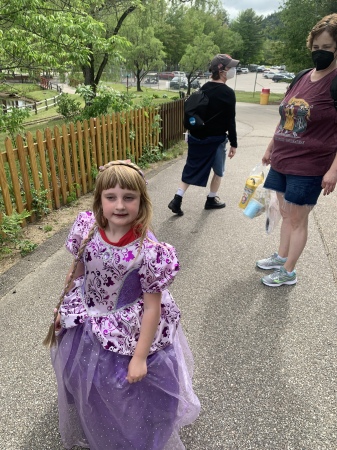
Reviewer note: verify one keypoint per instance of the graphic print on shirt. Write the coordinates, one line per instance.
(295, 115)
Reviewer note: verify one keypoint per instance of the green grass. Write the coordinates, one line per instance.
(20, 88)
(32, 91)
(250, 97)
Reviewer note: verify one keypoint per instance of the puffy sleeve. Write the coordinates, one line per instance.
(79, 231)
(160, 266)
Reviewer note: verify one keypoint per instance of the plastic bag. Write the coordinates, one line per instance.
(257, 203)
(256, 177)
(273, 214)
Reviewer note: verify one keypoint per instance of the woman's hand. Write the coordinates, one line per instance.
(329, 182)
(266, 157)
(137, 369)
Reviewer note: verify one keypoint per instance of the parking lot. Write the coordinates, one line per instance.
(248, 82)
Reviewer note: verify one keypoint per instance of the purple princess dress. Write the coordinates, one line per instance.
(101, 318)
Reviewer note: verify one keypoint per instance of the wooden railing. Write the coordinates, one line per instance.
(37, 106)
(64, 163)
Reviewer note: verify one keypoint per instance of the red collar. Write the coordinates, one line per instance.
(128, 237)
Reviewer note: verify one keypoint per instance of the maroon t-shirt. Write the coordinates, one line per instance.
(305, 141)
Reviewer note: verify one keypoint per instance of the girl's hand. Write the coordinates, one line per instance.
(137, 369)
(57, 323)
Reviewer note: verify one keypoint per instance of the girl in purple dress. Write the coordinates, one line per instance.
(122, 363)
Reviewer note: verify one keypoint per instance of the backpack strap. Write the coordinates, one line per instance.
(297, 77)
(333, 91)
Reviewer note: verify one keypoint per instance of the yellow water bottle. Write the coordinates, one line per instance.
(248, 191)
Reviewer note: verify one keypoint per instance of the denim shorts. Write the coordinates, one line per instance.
(220, 159)
(297, 189)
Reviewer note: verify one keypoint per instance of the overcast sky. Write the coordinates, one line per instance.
(261, 7)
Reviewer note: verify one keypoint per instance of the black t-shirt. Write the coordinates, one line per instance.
(221, 98)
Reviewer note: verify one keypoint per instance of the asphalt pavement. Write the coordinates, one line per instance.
(265, 358)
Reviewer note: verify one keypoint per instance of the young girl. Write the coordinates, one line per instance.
(119, 358)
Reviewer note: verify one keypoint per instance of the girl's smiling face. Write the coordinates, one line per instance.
(120, 208)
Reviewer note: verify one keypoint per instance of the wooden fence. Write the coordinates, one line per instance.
(36, 106)
(63, 164)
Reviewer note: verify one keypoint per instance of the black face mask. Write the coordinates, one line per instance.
(322, 59)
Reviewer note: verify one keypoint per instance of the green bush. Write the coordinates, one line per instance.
(12, 122)
(106, 100)
(68, 107)
(11, 230)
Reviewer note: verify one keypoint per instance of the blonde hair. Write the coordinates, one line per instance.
(329, 24)
(128, 176)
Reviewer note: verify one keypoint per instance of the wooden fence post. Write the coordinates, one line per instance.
(24, 171)
(81, 157)
(49, 144)
(14, 175)
(44, 169)
(67, 158)
(75, 157)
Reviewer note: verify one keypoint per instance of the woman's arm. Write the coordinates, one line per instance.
(330, 178)
(266, 157)
(137, 366)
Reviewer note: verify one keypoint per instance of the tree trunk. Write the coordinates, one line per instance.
(89, 72)
(139, 88)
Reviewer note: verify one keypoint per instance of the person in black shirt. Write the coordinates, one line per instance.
(207, 147)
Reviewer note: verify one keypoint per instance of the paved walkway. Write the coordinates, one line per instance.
(265, 359)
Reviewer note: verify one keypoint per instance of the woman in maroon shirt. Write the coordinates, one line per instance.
(302, 153)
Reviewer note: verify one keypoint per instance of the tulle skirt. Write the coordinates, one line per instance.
(100, 410)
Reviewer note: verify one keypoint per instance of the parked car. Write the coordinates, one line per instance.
(195, 84)
(284, 76)
(239, 70)
(244, 70)
(182, 83)
(252, 67)
(151, 78)
(269, 74)
(178, 83)
(179, 74)
(166, 75)
(260, 69)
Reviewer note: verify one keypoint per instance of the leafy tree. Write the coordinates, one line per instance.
(52, 33)
(249, 26)
(298, 17)
(198, 56)
(12, 122)
(45, 34)
(181, 22)
(146, 51)
(175, 33)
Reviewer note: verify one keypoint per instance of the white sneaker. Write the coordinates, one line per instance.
(273, 262)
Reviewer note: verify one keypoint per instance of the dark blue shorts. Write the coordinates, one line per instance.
(297, 189)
